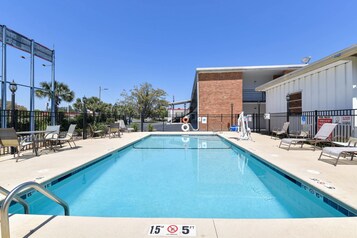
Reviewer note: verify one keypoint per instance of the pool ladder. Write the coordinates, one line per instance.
(13, 195)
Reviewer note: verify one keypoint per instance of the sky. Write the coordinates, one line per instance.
(116, 45)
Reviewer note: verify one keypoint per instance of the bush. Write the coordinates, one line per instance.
(101, 126)
(79, 132)
(135, 126)
(110, 120)
(150, 127)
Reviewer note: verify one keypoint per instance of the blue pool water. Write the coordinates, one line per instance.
(182, 176)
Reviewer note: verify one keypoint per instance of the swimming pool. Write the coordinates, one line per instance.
(186, 177)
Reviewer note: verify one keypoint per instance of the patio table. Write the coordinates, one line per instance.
(35, 136)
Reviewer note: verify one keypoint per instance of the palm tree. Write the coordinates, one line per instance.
(62, 93)
(78, 105)
(93, 104)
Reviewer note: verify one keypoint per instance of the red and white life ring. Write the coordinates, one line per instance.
(185, 120)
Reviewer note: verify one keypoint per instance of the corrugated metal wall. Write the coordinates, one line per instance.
(329, 88)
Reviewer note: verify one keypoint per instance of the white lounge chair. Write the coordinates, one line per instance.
(123, 127)
(321, 136)
(52, 133)
(352, 141)
(349, 149)
(282, 131)
(69, 136)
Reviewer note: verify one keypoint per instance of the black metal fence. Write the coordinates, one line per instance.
(345, 119)
(20, 121)
(215, 122)
(224, 122)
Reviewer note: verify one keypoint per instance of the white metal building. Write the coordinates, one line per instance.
(327, 84)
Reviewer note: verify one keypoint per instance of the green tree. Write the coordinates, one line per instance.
(17, 106)
(126, 107)
(145, 101)
(62, 92)
(161, 112)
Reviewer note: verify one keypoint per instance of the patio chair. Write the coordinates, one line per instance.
(68, 137)
(304, 133)
(280, 132)
(8, 137)
(95, 133)
(114, 129)
(349, 149)
(51, 135)
(123, 127)
(321, 136)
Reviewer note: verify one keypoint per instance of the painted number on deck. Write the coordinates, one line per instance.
(172, 230)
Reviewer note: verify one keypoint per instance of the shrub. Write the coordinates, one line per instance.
(150, 127)
(110, 120)
(135, 126)
(102, 126)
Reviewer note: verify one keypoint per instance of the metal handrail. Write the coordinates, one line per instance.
(5, 227)
(17, 199)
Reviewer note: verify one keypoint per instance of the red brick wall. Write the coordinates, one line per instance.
(217, 91)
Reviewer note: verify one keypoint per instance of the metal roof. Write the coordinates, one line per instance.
(340, 55)
(250, 68)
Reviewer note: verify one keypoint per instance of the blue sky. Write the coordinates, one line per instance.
(119, 44)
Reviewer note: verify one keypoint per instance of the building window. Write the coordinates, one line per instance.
(295, 103)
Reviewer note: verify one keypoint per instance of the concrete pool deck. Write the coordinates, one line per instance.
(300, 163)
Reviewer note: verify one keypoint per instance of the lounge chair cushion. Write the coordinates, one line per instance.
(292, 140)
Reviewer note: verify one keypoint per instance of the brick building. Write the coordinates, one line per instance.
(220, 94)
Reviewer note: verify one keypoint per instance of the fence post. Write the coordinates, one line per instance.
(16, 115)
(316, 121)
(207, 123)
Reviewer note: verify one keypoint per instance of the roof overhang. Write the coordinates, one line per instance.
(249, 68)
(340, 55)
(180, 102)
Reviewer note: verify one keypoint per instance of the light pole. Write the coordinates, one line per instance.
(53, 81)
(13, 88)
(100, 91)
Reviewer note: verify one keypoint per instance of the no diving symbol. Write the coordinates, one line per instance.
(172, 229)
